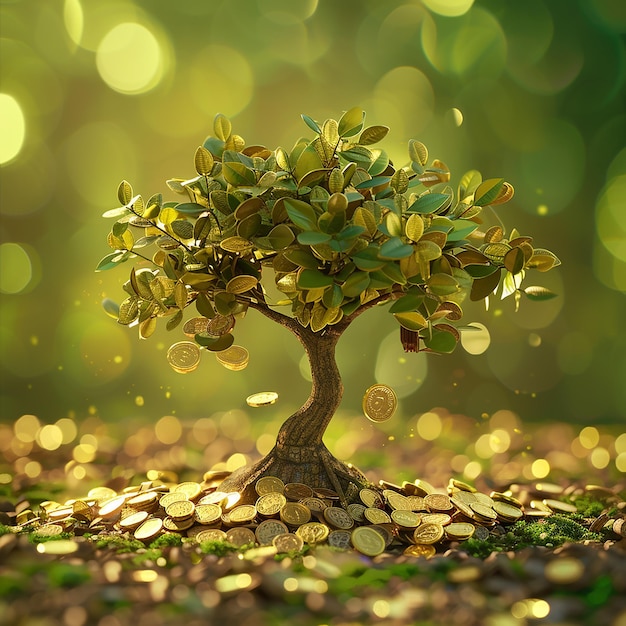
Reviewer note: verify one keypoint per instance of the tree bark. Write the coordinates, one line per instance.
(300, 454)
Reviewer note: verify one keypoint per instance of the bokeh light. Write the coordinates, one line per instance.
(16, 268)
(12, 128)
(130, 59)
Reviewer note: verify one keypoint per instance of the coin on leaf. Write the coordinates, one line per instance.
(379, 403)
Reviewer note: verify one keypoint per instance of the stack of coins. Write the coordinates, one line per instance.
(413, 518)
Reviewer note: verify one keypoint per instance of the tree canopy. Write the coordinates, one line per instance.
(333, 223)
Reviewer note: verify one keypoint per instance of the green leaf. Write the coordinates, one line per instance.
(203, 161)
(359, 155)
(222, 127)
(182, 229)
(418, 152)
(190, 208)
(480, 271)
(408, 302)
(368, 259)
(462, 228)
(122, 211)
(308, 161)
(302, 258)
(313, 279)
(129, 310)
(280, 237)
(429, 203)
(514, 260)
(351, 122)
(394, 248)
(411, 320)
(301, 214)
(469, 183)
(180, 295)
(538, 293)
(400, 181)
(356, 284)
(147, 327)
(373, 134)
(112, 260)
(238, 175)
(484, 287)
(312, 124)
(111, 308)
(124, 192)
(174, 321)
(204, 306)
(214, 344)
(441, 341)
(488, 191)
(442, 284)
(312, 238)
(333, 297)
(377, 181)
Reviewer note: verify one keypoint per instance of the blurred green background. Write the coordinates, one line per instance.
(94, 91)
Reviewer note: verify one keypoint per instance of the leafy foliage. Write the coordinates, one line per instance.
(332, 222)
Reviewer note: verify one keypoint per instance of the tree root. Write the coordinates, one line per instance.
(314, 466)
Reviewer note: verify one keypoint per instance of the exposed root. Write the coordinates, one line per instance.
(312, 465)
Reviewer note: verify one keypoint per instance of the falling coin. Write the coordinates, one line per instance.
(184, 356)
(234, 358)
(220, 325)
(195, 325)
(263, 398)
(379, 403)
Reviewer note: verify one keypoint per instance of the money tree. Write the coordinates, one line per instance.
(338, 229)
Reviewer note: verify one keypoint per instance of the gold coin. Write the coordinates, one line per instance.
(263, 398)
(338, 518)
(417, 488)
(146, 501)
(379, 403)
(268, 529)
(437, 502)
(462, 507)
(507, 512)
(82, 510)
(461, 486)
(269, 484)
(240, 537)
(459, 530)
(396, 500)
(270, 504)
(207, 513)
(195, 325)
(295, 514)
(356, 512)
(173, 496)
(134, 520)
(217, 497)
(297, 491)
(367, 541)
(241, 283)
(242, 514)
(111, 508)
(376, 516)
(465, 496)
(428, 533)
(315, 505)
(210, 534)
(234, 358)
(482, 512)
(406, 519)
(220, 325)
(100, 494)
(340, 539)
(370, 498)
(150, 529)
(560, 507)
(313, 532)
(190, 488)
(49, 530)
(288, 542)
(177, 525)
(483, 498)
(497, 496)
(415, 503)
(184, 356)
(435, 518)
(420, 549)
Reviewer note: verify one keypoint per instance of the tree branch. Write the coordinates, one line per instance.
(291, 323)
(346, 321)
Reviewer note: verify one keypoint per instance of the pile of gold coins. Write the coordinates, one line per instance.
(412, 518)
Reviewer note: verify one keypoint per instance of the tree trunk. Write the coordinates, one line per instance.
(299, 454)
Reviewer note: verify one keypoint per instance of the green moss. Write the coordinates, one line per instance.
(121, 545)
(34, 537)
(219, 548)
(168, 539)
(4, 530)
(588, 506)
(550, 532)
